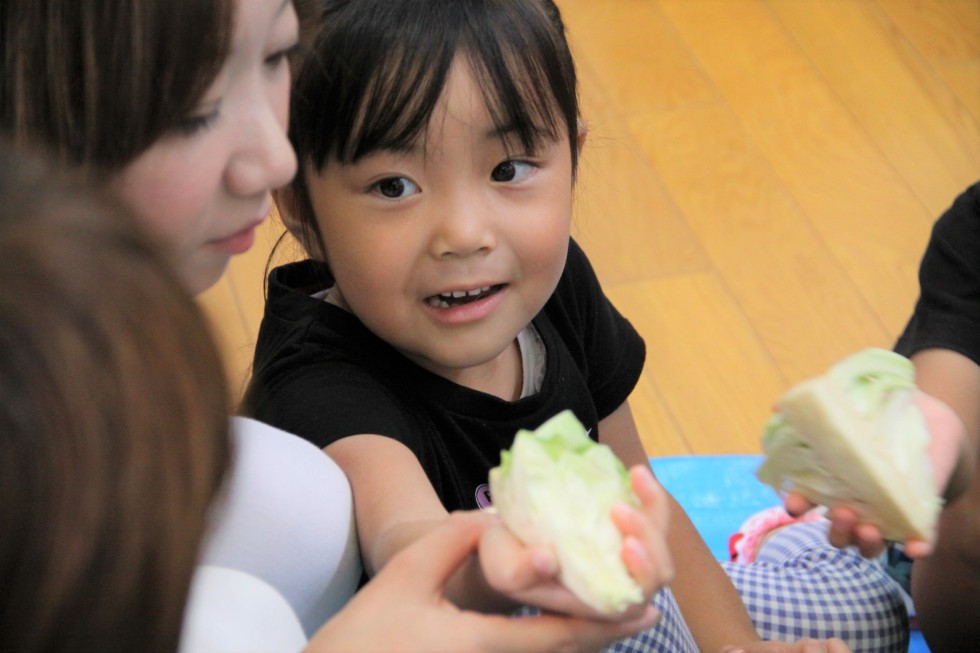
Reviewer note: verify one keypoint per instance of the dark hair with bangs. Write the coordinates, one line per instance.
(377, 69)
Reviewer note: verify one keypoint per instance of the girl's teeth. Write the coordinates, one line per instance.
(442, 299)
(457, 294)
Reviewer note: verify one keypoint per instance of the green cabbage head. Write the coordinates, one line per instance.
(556, 487)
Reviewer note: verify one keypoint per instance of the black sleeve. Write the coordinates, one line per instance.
(612, 353)
(325, 404)
(947, 313)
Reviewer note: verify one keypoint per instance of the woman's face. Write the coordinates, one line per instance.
(205, 186)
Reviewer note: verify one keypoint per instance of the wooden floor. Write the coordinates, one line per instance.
(756, 192)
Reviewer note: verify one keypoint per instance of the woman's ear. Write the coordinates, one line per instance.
(290, 212)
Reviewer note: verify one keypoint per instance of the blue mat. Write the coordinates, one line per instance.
(718, 493)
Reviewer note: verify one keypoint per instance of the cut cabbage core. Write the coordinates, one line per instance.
(854, 436)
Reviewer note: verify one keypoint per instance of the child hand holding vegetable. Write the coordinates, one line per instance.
(531, 574)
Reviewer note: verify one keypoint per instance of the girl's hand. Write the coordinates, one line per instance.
(404, 608)
(529, 575)
(948, 436)
(802, 646)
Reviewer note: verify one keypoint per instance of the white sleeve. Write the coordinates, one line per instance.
(229, 611)
(286, 517)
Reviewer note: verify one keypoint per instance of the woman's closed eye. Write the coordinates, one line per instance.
(512, 170)
(192, 125)
(283, 56)
(395, 188)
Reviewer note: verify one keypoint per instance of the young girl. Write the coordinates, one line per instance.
(178, 107)
(445, 306)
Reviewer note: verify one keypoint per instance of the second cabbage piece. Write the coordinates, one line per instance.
(853, 435)
(557, 487)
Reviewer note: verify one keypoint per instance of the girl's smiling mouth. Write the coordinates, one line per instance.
(459, 307)
(461, 297)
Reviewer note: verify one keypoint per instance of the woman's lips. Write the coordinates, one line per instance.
(237, 243)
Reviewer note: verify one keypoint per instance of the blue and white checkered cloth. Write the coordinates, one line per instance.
(800, 586)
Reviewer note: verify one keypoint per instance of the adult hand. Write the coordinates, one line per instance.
(529, 575)
(848, 527)
(803, 646)
(403, 608)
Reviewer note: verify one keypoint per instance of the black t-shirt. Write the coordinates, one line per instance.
(320, 373)
(947, 313)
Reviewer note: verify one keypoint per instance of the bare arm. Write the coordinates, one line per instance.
(398, 506)
(404, 607)
(946, 583)
(394, 505)
(712, 607)
(955, 380)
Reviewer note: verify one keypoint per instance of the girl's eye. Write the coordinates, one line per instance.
(511, 171)
(194, 124)
(395, 187)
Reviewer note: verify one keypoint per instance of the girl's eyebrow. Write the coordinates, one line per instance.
(398, 149)
(390, 149)
(501, 132)
(512, 137)
(508, 130)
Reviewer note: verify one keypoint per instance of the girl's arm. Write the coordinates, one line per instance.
(395, 505)
(404, 607)
(711, 606)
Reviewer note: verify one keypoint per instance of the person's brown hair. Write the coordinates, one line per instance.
(113, 423)
(98, 81)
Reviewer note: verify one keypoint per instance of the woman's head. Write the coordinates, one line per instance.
(378, 68)
(113, 423)
(181, 105)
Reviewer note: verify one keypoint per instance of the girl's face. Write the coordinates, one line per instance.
(205, 187)
(449, 249)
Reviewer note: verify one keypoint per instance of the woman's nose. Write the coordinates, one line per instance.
(265, 159)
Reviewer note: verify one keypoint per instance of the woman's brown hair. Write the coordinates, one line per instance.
(113, 423)
(98, 81)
